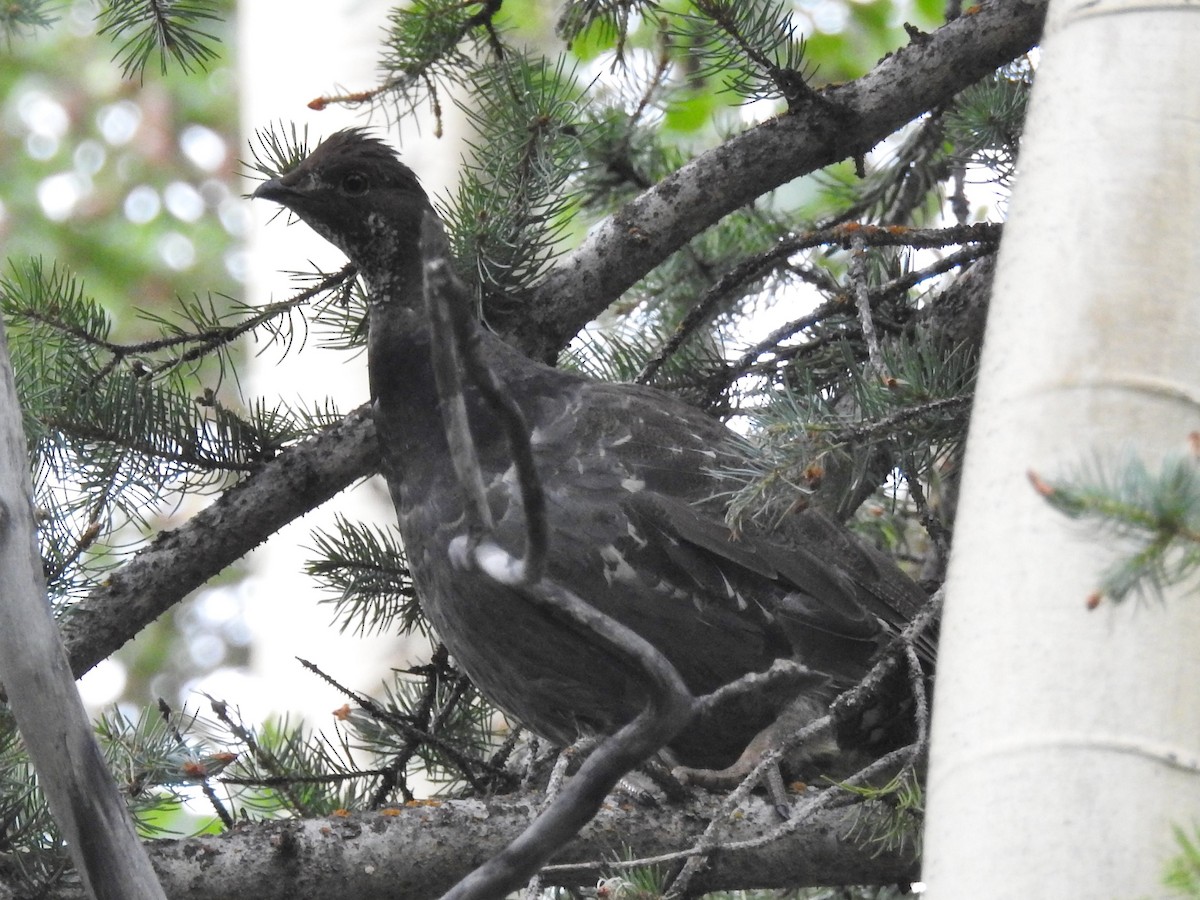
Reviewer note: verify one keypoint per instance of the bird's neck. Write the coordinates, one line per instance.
(399, 356)
(400, 362)
(392, 270)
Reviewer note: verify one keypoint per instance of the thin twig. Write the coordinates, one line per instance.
(669, 708)
(934, 527)
(947, 263)
(448, 375)
(165, 711)
(860, 236)
(710, 840)
(458, 353)
(558, 775)
(862, 301)
(979, 240)
(916, 686)
(872, 429)
(466, 765)
(199, 343)
(734, 279)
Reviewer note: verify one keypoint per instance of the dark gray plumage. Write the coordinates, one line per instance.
(635, 520)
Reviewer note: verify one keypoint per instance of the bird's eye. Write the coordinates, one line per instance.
(355, 183)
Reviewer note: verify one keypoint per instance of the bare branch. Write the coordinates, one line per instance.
(456, 346)
(862, 302)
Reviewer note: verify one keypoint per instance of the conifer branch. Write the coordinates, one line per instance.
(170, 28)
(21, 17)
(294, 482)
(648, 229)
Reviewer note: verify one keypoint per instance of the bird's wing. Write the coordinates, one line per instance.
(837, 583)
(880, 586)
(629, 477)
(687, 454)
(636, 496)
(789, 581)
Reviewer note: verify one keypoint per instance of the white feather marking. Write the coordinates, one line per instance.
(633, 534)
(675, 593)
(615, 566)
(458, 553)
(499, 564)
(732, 593)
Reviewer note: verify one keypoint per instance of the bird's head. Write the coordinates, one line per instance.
(354, 192)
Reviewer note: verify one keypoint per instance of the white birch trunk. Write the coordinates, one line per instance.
(1065, 741)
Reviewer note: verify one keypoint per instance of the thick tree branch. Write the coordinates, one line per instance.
(851, 120)
(418, 852)
(300, 479)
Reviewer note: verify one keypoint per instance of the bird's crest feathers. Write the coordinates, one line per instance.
(356, 144)
(356, 148)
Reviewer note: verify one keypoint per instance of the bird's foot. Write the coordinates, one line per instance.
(664, 779)
(731, 776)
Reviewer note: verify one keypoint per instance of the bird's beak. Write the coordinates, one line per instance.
(271, 189)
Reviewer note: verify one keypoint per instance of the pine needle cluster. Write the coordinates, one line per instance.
(510, 212)
(170, 31)
(1149, 513)
(118, 429)
(176, 32)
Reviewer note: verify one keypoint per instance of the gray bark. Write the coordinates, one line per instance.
(417, 852)
(41, 689)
